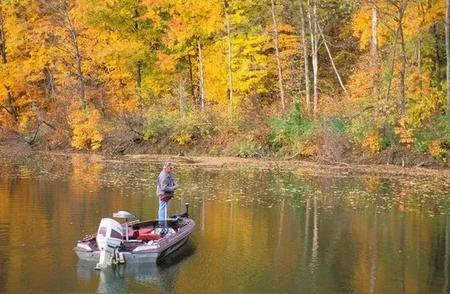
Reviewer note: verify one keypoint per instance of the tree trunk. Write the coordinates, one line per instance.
(191, 81)
(312, 18)
(139, 62)
(402, 9)
(230, 60)
(437, 57)
(49, 82)
(139, 74)
(419, 63)
(2, 38)
(181, 95)
(305, 58)
(447, 50)
(332, 62)
(420, 7)
(394, 53)
(277, 55)
(11, 105)
(374, 49)
(201, 76)
(78, 58)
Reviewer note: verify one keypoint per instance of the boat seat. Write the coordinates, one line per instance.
(147, 234)
(132, 234)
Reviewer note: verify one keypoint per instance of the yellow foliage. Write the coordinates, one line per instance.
(250, 62)
(361, 24)
(193, 19)
(306, 148)
(372, 142)
(405, 133)
(359, 85)
(423, 98)
(436, 150)
(86, 128)
(216, 75)
(418, 19)
(421, 16)
(166, 62)
(183, 138)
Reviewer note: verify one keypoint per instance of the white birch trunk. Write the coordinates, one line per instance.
(305, 59)
(277, 55)
(312, 17)
(332, 62)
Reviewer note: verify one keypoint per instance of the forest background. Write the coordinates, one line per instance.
(330, 80)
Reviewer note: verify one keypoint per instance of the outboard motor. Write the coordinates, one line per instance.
(109, 238)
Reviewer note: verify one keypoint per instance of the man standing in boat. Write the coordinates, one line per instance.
(165, 188)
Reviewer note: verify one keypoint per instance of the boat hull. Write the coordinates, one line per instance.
(130, 257)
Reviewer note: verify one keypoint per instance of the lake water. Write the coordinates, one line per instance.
(258, 230)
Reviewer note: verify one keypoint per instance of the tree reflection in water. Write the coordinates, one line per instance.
(258, 230)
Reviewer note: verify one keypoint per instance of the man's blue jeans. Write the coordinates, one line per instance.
(163, 205)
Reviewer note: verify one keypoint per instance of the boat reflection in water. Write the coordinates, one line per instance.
(120, 278)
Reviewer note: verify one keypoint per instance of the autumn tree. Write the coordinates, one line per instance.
(128, 56)
(67, 40)
(23, 76)
(86, 72)
(192, 24)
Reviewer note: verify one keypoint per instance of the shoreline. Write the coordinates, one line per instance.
(302, 166)
(16, 152)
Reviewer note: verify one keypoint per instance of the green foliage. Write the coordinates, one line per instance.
(180, 129)
(290, 131)
(248, 148)
(338, 125)
(435, 138)
(156, 126)
(371, 135)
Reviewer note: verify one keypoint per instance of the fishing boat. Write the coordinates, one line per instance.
(135, 241)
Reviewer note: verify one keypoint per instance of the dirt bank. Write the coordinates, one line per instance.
(18, 152)
(300, 166)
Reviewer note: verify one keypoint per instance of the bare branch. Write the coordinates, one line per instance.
(332, 61)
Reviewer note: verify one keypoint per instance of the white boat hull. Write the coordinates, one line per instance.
(132, 257)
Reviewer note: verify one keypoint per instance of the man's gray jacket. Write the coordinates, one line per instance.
(165, 184)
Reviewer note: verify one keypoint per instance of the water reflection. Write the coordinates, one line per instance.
(161, 276)
(258, 230)
(447, 252)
